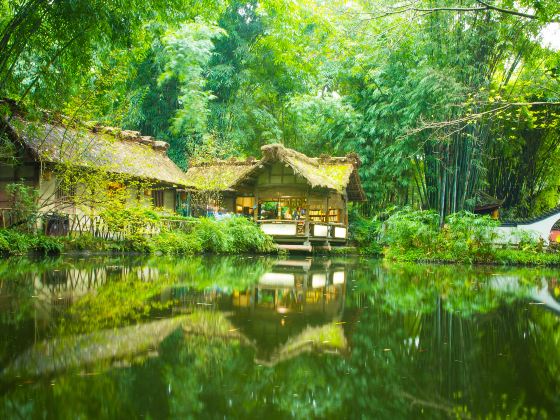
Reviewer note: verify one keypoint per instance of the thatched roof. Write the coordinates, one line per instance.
(88, 145)
(219, 175)
(334, 173)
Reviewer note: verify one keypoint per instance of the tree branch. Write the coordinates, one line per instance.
(484, 7)
(507, 11)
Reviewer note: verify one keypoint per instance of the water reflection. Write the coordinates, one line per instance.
(259, 337)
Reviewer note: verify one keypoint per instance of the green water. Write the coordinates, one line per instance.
(250, 337)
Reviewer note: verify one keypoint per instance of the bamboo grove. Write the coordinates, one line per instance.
(440, 99)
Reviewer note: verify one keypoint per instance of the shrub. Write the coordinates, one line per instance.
(175, 243)
(13, 242)
(130, 221)
(365, 233)
(527, 240)
(469, 237)
(212, 236)
(410, 229)
(246, 236)
(17, 243)
(47, 245)
(521, 257)
(87, 242)
(233, 235)
(415, 235)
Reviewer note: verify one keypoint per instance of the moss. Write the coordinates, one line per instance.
(338, 175)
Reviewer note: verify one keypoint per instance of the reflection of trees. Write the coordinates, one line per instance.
(445, 340)
(544, 341)
(459, 334)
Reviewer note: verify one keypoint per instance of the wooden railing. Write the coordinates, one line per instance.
(303, 229)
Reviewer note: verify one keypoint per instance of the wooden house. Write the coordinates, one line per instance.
(300, 201)
(42, 150)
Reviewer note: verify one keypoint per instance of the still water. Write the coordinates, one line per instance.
(250, 337)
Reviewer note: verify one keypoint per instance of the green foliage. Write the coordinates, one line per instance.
(526, 240)
(13, 242)
(212, 237)
(47, 245)
(131, 221)
(416, 235)
(234, 235)
(175, 243)
(246, 236)
(51, 49)
(409, 229)
(365, 233)
(187, 50)
(527, 257)
(230, 236)
(24, 211)
(471, 235)
(85, 241)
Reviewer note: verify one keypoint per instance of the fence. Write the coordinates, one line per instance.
(78, 224)
(63, 224)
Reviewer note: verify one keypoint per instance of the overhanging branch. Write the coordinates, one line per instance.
(484, 7)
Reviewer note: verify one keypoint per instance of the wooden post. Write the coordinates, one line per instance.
(345, 201)
(307, 219)
(256, 211)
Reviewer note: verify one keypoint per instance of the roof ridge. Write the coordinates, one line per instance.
(232, 161)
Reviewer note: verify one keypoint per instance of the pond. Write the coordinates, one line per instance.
(260, 337)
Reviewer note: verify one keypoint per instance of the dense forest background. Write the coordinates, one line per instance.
(441, 99)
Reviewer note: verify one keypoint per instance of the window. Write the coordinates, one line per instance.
(244, 205)
(157, 198)
(65, 192)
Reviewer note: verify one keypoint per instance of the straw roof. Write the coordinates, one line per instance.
(218, 175)
(334, 173)
(114, 150)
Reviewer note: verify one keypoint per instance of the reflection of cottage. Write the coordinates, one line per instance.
(139, 164)
(296, 199)
(296, 307)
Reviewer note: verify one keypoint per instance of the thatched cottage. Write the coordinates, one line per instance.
(299, 200)
(41, 152)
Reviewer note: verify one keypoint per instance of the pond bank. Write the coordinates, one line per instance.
(13, 243)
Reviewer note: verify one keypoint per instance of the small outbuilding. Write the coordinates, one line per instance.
(136, 166)
(298, 200)
(485, 204)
